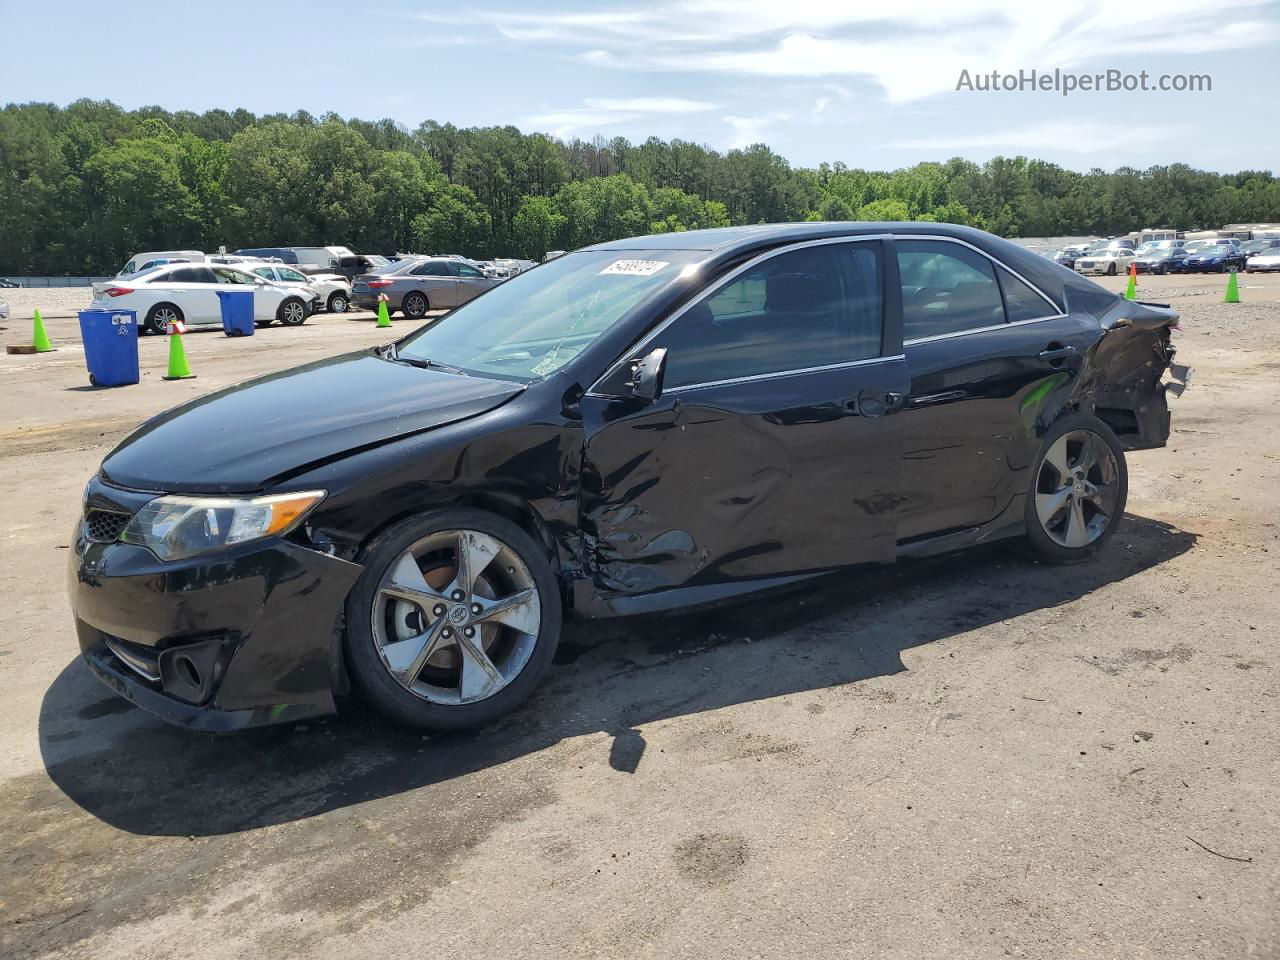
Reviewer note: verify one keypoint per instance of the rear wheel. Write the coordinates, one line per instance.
(1080, 485)
(161, 316)
(454, 620)
(415, 306)
(292, 312)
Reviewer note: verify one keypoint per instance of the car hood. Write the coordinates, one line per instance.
(245, 437)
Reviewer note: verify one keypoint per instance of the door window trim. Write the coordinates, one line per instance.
(714, 287)
(999, 264)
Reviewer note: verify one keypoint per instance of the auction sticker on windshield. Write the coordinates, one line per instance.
(635, 268)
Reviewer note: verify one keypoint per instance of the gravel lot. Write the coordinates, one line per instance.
(974, 757)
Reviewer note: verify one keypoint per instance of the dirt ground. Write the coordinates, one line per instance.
(964, 757)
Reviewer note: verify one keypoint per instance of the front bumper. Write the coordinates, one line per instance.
(241, 637)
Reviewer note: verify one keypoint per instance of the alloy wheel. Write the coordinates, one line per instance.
(164, 318)
(456, 617)
(1077, 489)
(338, 304)
(294, 312)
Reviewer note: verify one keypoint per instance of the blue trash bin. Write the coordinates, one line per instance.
(110, 340)
(237, 312)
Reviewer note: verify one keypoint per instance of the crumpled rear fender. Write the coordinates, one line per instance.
(1123, 377)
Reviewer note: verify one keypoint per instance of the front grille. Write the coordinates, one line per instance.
(105, 526)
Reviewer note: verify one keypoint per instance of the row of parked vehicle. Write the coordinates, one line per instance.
(1215, 255)
(292, 283)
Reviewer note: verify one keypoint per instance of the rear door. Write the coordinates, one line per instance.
(193, 289)
(985, 352)
(436, 280)
(774, 447)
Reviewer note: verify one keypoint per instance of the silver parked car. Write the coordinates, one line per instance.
(416, 286)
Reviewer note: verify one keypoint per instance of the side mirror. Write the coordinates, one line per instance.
(647, 373)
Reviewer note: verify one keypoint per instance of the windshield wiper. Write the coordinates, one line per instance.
(422, 363)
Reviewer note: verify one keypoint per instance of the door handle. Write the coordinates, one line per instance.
(1056, 354)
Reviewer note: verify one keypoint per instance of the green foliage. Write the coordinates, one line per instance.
(84, 186)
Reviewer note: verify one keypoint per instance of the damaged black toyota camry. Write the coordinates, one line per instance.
(639, 426)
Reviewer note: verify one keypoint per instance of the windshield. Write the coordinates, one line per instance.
(533, 324)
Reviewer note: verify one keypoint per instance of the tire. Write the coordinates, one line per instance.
(415, 305)
(159, 317)
(434, 698)
(1052, 539)
(292, 312)
(1111, 270)
(1162, 270)
(338, 302)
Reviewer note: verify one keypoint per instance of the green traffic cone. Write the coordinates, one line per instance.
(1233, 290)
(39, 337)
(178, 367)
(384, 318)
(1132, 292)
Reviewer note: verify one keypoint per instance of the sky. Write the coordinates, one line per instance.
(871, 84)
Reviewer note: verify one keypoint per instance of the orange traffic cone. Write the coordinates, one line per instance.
(1132, 292)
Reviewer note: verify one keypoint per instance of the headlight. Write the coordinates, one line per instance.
(176, 527)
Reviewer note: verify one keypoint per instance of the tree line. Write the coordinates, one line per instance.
(85, 186)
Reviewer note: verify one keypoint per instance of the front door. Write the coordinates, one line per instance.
(471, 282)
(773, 449)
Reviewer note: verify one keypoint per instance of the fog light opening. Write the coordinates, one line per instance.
(187, 670)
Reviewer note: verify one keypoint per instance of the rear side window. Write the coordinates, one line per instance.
(946, 288)
(433, 269)
(1020, 301)
(813, 307)
(192, 275)
(264, 272)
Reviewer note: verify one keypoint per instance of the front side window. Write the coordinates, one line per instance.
(535, 323)
(292, 275)
(466, 270)
(946, 288)
(225, 275)
(812, 307)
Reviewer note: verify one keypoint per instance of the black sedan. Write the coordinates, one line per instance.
(1215, 259)
(639, 426)
(1161, 261)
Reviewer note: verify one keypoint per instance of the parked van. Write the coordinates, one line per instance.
(158, 258)
(320, 258)
(283, 254)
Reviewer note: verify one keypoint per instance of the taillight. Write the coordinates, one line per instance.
(117, 291)
(380, 283)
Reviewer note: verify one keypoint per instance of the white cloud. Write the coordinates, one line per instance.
(911, 49)
(749, 130)
(651, 104)
(1074, 136)
(597, 112)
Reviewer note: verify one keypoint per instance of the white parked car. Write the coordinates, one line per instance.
(1264, 262)
(1109, 260)
(333, 289)
(4, 309)
(189, 293)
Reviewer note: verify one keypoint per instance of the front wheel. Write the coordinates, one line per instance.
(292, 312)
(1080, 485)
(1111, 270)
(454, 620)
(338, 302)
